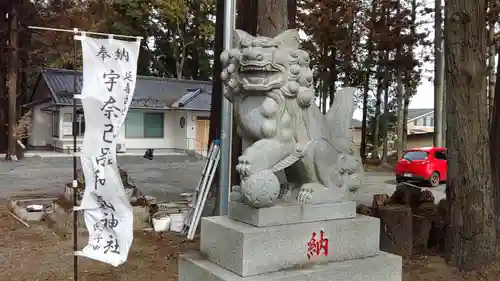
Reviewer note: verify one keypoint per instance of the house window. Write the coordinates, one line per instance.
(147, 125)
(68, 124)
(415, 122)
(432, 121)
(55, 124)
(425, 121)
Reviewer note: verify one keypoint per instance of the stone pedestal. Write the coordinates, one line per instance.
(272, 244)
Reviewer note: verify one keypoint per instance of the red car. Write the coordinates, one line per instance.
(426, 164)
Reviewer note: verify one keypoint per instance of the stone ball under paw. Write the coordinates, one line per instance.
(260, 189)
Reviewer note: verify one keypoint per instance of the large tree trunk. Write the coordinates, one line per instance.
(385, 119)
(438, 76)
(246, 21)
(492, 51)
(3, 85)
(272, 18)
(366, 86)
(216, 97)
(12, 81)
(472, 230)
(376, 119)
(406, 104)
(494, 144)
(292, 13)
(400, 112)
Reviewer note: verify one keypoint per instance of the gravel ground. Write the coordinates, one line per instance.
(38, 254)
(165, 177)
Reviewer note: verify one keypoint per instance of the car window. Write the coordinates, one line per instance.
(415, 155)
(441, 155)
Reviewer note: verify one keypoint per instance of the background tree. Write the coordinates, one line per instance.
(472, 229)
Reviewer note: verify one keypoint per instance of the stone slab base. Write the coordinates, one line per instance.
(19, 208)
(384, 267)
(248, 250)
(290, 213)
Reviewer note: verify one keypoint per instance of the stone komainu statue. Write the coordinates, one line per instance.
(270, 84)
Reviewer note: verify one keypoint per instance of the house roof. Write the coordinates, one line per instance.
(414, 113)
(150, 92)
(355, 123)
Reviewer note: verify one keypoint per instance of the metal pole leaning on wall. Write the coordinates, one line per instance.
(226, 118)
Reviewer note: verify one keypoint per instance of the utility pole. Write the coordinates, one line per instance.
(12, 84)
(438, 75)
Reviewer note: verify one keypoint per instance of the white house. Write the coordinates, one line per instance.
(165, 114)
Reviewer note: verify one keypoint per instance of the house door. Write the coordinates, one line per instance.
(202, 131)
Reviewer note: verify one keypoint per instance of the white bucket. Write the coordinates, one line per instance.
(161, 222)
(177, 222)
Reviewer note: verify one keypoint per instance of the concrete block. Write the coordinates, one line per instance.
(290, 213)
(248, 250)
(20, 208)
(383, 267)
(141, 217)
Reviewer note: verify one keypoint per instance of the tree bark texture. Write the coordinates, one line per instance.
(378, 103)
(12, 84)
(216, 97)
(400, 94)
(438, 76)
(366, 86)
(385, 119)
(421, 227)
(3, 94)
(272, 17)
(292, 13)
(494, 144)
(247, 21)
(472, 229)
(492, 51)
(396, 230)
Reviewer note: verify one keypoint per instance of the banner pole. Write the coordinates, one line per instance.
(226, 119)
(75, 180)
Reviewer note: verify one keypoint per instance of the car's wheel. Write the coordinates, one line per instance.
(399, 179)
(434, 179)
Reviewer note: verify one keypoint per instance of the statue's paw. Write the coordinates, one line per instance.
(284, 191)
(243, 167)
(236, 195)
(305, 194)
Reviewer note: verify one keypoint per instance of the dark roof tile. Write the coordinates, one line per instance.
(155, 92)
(417, 112)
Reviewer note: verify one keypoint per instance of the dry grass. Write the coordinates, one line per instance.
(36, 253)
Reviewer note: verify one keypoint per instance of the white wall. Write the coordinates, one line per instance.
(174, 137)
(40, 133)
(65, 142)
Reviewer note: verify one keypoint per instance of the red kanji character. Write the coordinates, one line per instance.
(322, 244)
(314, 247)
(311, 246)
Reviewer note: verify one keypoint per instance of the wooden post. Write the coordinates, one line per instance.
(421, 230)
(12, 85)
(396, 229)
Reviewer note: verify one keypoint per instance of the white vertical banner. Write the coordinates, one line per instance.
(109, 78)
